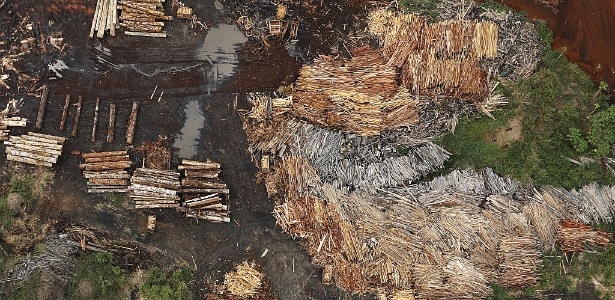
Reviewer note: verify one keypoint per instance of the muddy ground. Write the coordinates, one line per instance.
(189, 71)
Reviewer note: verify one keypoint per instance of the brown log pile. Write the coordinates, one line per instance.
(34, 148)
(440, 58)
(106, 172)
(151, 188)
(575, 236)
(142, 17)
(205, 195)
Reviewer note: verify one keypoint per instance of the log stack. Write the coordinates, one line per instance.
(105, 18)
(5, 123)
(106, 171)
(151, 188)
(206, 196)
(34, 148)
(143, 17)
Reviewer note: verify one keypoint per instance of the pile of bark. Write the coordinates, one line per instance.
(575, 236)
(151, 188)
(106, 172)
(205, 195)
(437, 58)
(34, 148)
(143, 17)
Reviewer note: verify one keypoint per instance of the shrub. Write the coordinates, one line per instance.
(159, 286)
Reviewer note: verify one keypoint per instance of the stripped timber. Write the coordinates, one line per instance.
(132, 122)
(95, 120)
(96, 17)
(111, 123)
(41, 108)
(65, 110)
(203, 191)
(103, 154)
(107, 159)
(28, 160)
(77, 116)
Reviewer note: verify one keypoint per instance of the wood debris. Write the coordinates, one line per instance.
(205, 195)
(575, 236)
(184, 12)
(151, 223)
(156, 154)
(106, 172)
(34, 148)
(151, 188)
(143, 17)
(244, 281)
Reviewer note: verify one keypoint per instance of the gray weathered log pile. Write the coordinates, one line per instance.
(106, 172)
(34, 148)
(206, 196)
(151, 188)
(5, 123)
(105, 18)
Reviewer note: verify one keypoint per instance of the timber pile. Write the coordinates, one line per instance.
(437, 58)
(105, 18)
(206, 196)
(519, 257)
(143, 17)
(34, 148)
(575, 236)
(106, 172)
(151, 188)
(7, 122)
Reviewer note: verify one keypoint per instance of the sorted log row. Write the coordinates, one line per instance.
(150, 188)
(105, 18)
(41, 107)
(35, 149)
(206, 197)
(106, 172)
(143, 18)
(575, 236)
(132, 123)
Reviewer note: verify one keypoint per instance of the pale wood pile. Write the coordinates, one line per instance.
(34, 148)
(437, 58)
(575, 236)
(205, 195)
(151, 188)
(106, 172)
(143, 17)
(519, 259)
(244, 281)
(7, 122)
(105, 18)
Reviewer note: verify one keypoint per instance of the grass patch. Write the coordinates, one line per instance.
(558, 105)
(427, 8)
(26, 289)
(116, 199)
(96, 277)
(159, 286)
(494, 5)
(6, 215)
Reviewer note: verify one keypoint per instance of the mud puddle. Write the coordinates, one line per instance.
(187, 142)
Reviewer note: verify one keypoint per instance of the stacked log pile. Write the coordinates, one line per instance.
(106, 172)
(143, 17)
(105, 18)
(151, 188)
(34, 148)
(206, 196)
(575, 236)
(437, 58)
(7, 122)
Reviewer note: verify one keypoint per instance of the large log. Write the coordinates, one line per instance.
(109, 181)
(107, 189)
(203, 191)
(28, 160)
(132, 122)
(41, 139)
(202, 184)
(18, 141)
(111, 123)
(43, 158)
(103, 154)
(35, 150)
(41, 108)
(77, 116)
(217, 219)
(153, 189)
(65, 110)
(48, 136)
(158, 172)
(209, 174)
(205, 202)
(165, 185)
(93, 139)
(96, 17)
(147, 34)
(105, 166)
(103, 21)
(155, 205)
(206, 164)
(113, 175)
(107, 159)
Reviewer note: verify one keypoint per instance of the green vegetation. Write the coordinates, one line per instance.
(96, 277)
(561, 114)
(6, 215)
(116, 199)
(159, 286)
(23, 185)
(501, 293)
(427, 8)
(494, 5)
(25, 290)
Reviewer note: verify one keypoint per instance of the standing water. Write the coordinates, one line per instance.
(187, 140)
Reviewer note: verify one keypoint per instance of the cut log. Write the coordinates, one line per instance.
(165, 185)
(28, 161)
(77, 116)
(132, 122)
(148, 200)
(96, 17)
(155, 205)
(103, 21)
(111, 123)
(204, 191)
(14, 122)
(102, 175)
(113, 17)
(153, 189)
(217, 219)
(107, 159)
(216, 207)
(42, 158)
(151, 224)
(133, 7)
(41, 108)
(202, 184)
(205, 164)
(47, 136)
(40, 139)
(65, 109)
(35, 150)
(105, 166)
(148, 34)
(205, 202)
(157, 172)
(108, 181)
(208, 174)
(103, 154)
(95, 121)
(17, 141)
(107, 190)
